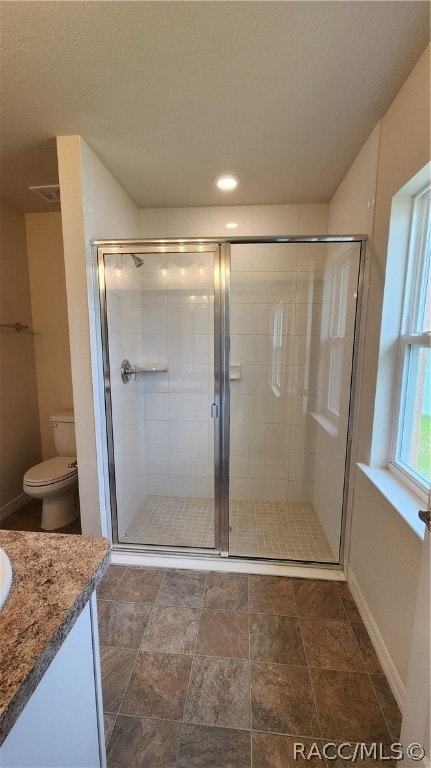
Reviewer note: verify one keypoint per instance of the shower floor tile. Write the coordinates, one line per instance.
(276, 530)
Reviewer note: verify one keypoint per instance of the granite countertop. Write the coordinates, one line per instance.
(53, 578)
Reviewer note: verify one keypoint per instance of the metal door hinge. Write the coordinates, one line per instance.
(425, 516)
(214, 411)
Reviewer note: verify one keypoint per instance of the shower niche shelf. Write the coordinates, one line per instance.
(146, 367)
(151, 367)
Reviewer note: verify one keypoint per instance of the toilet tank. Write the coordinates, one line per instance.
(63, 424)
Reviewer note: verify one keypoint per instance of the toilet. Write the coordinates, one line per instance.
(54, 481)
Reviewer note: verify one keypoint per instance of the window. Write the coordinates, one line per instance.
(411, 446)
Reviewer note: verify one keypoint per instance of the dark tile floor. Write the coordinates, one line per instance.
(28, 518)
(228, 671)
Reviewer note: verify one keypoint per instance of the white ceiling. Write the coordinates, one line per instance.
(169, 94)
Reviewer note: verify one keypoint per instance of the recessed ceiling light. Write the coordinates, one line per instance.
(226, 181)
(232, 225)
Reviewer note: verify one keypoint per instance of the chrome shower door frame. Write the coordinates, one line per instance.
(221, 250)
(218, 250)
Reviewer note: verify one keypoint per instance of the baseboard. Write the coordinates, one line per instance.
(13, 505)
(394, 680)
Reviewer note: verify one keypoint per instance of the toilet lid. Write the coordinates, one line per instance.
(51, 471)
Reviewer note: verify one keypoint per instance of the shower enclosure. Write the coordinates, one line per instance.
(228, 383)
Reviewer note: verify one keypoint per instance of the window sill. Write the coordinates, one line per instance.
(324, 422)
(404, 501)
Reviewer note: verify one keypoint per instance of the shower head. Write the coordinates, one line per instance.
(138, 261)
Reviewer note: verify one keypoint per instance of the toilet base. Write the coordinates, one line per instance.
(58, 510)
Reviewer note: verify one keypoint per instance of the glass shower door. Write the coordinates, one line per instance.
(292, 320)
(159, 316)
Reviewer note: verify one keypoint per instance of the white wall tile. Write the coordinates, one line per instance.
(238, 463)
(158, 461)
(309, 287)
(157, 434)
(152, 222)
(266, 464)
(241, 258)
(192, 349)
(158, 485)
(240, 319)
(233, 214)
(312, 257)
(240, 349)
(275, 257)
(302, 438)
(301, 466)
(154, 348)
(267, 490)
(300, 491)
(187, 222)
(153, 318)
(189, 378)
(267, 437)
(239, 407)
(240, 287)
(156, 406)
(185, 407)
(238, 488)
(300, 409)
(191, 486)
(189, 435)
(155, 381)
(268, 409)
(313, 219)
(239, 435)
(273, 287)
(276, 219)
(189, 318)
(187, 461)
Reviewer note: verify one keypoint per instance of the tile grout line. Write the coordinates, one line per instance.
(134, 663)
(191, 668)
(249, 657)
(115, 714)
(308, 671)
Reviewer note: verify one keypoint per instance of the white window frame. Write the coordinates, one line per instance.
(410, 339)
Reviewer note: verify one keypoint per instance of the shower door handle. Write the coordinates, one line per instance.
(214, 411)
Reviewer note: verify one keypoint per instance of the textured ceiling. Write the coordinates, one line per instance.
(169, 94)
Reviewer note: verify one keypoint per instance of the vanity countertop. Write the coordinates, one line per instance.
(53, 578)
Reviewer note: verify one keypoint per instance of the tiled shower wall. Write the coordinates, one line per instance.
(178, 328)
(161, 314)
(334, 383)
(276, 304)
(272, 434)
(125, 311)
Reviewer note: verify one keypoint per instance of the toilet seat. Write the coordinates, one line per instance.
(51, 472)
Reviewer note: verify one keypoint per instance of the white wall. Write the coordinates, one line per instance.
(93, 206)
(384, 552)
(20, 446)
(50, 325)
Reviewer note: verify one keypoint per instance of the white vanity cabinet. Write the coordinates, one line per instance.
(61, 726)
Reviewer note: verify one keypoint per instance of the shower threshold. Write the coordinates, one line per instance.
(258, 529)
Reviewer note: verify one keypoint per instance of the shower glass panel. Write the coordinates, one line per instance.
(292, 324)
(160, 317)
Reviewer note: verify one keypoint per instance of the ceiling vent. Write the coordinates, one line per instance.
(49, 192)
